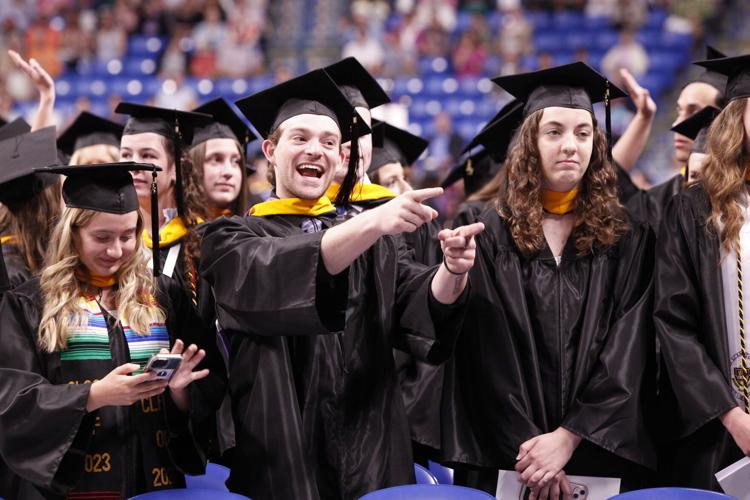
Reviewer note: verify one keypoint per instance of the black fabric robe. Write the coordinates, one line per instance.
(648, 206)
(15, 265)
(317, 409)
(53, 446)
(546, 346)
(691, 326)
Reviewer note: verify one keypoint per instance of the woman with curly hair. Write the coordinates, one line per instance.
(702, 258)
(552, 369)
(81, 417)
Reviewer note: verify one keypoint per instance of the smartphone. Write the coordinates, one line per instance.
(580, 492)
(164, 365)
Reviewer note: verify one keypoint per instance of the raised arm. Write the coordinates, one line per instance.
(633, 141)
(44, 84)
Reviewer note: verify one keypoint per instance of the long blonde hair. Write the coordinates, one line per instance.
(61, 289)
(723, 172)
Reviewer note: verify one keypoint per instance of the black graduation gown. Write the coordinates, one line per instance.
(648, 207)
(318, 412)
(625, 187)
(53, 446)
(691, 326)
(15, 265)
(546, 346)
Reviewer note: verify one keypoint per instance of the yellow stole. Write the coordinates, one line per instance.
(362, 192)
(96, 280)
(293, 206)
(559, 203)
(174, 231)
(9, 239)
(215, 213)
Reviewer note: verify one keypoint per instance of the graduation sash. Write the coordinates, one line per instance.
(9, 239)
(362, 192)
(293, 206)
(96, 280)
(174, 231)
(218, 212)
(559, 203)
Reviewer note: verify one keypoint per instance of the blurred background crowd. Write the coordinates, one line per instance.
(434, 57)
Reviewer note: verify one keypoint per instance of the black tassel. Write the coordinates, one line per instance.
(4, 280)
(179, 195)
(155, 223)
(608, 121)
(342, 199)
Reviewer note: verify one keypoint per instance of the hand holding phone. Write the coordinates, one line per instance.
(164, 365)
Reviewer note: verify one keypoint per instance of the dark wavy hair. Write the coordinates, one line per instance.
(600, 218)
(723, 172)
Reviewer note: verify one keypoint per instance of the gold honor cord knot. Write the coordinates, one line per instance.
(743, 347)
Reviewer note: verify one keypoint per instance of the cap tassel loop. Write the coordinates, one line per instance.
(608, 121)
(342, 199)
(155, 223)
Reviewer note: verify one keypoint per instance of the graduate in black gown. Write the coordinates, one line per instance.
(90, 139)
(31, 199)
(79, 417)
(553, 370)
(701, 264)
(314, 308)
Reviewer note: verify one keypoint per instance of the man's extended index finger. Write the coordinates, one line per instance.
(421, 195)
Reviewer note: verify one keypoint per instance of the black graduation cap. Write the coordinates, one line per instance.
(3, 122)
(16, 127)
(737, 71)
(357, 84)
(19, 156)
(576, 85)
(89, 129)
(476, 170)
(312, 93)
(177, 126)
(397, 146)
(225, 124)
(696, 127)
(716, 80)
(108, 187)
(497, 134)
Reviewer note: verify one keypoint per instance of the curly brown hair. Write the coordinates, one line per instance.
(31, 221)
(723, 172)
(600, 218)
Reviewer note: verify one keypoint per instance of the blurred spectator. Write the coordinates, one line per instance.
(544, 61)
(240, 55)
(111, 38)
(433, 41)
(442, 12)
(152, 19)
(211, 32)
(469, 56)
(76, 44)
(20, 12)
(445, 147)
(514, 36)
(366, 49)
(173, 93)
(626, 53)
(126, 15)
(42, 43)
(174, 60)
(396, 62)
(623, 12)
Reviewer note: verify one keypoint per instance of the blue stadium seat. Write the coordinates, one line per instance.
(540, 19)
(144, 45)
(443, 474)
(139, 66)
(568, 20)
(578, 40)
(189, 494)
(547, 41)
(427, 492)
(592, 23)
(671, 494)
(214, 478)
(424, 476)
(656, 18)
(605, 39)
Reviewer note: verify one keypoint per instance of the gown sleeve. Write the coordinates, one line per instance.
(270, 285)
(45, 427)
(612, 406)
(701, 391)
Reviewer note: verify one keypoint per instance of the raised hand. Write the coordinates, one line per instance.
(119, 388)
(44, 84)
(459, 247)
(404, 213)
(641, 96)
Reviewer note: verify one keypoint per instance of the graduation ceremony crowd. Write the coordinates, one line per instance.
(336, 331)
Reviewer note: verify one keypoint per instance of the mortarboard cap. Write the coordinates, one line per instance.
(497, 134)
(696, 127)
(476, 170)
(225, 124)
(737, 71)
(716, 80)
(89, 129)
(177, 126)
(312, 93)
(108, 187)
(19, 156)
(357, 84)
(16, 127)
(396, 146)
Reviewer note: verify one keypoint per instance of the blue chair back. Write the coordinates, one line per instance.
(428, 492)
(189, 494)
(424, 476)
(214, 478)
(443, 474)
(671, 494)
